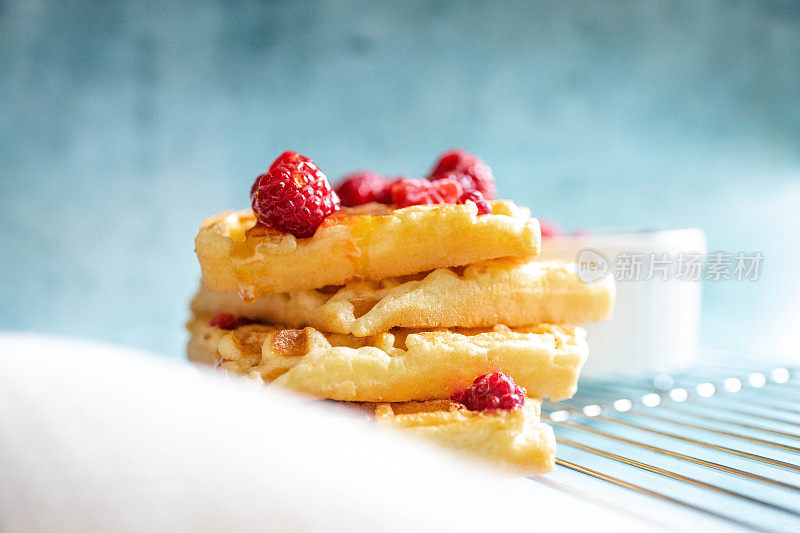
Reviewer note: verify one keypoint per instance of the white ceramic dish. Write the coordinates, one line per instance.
(657, 314)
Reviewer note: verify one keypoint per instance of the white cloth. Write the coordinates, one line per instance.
(98, 438)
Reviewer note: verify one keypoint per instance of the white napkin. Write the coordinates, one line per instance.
(98, 438)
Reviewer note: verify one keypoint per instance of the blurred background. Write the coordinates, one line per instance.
(123, 124)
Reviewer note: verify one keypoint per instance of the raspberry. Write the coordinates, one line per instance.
(469, 170)
(420, 191)
(549, 228)
(293, 196)
(289, 158)
(363, 187)
(286, 158)
(477, 198)
(491, 391)
(227, 321)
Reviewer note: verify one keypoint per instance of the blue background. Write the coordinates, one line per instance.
(123, 125)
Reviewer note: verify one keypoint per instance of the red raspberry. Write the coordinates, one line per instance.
(363, 187)
(549, 228)
(471, 172)
(491, 391)
(418, 192)
(293, 196)
(227, 321)
(286, 158)
(289, 158)
(477, 198)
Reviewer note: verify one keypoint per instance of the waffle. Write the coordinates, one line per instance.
(500, 291)
(368, 242)
(396, 366)
(514, 438)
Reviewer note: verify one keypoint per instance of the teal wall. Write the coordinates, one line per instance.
(123, 125)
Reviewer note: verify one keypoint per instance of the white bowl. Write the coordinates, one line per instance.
(656, 321)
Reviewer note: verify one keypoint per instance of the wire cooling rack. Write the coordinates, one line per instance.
(717, 445)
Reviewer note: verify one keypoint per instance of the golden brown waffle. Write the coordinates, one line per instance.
(367, 242)
(499, 291)
(396, 366)
(515, 438)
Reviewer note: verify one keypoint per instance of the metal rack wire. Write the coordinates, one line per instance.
(722, 442)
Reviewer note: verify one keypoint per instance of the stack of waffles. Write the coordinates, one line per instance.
(397, 311)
